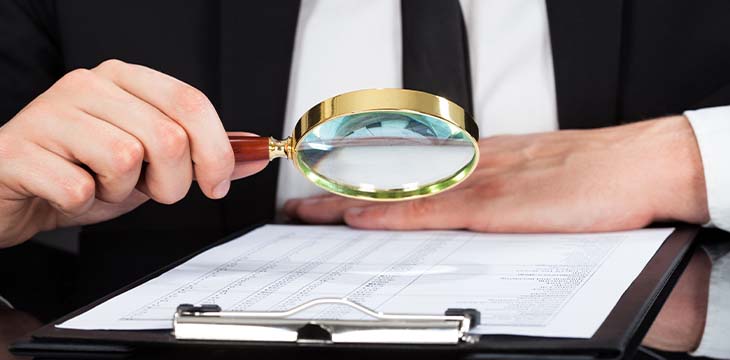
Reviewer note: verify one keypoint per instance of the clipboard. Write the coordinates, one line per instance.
(618, 337)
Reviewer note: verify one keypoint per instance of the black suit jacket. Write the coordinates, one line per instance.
(615, 61)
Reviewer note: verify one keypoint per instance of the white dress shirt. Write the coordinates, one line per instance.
(712, 130)
(346, 45)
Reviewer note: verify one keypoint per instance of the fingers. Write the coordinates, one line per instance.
(450, 210)
(102, 211)
(113, 155)
(116, 116)
(325, 209)
(165, 142)
(201, 128)
(242, 170)
(41, 173)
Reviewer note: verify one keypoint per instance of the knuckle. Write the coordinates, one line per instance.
(172, 140)
(188, 99)
(127, 156)
(111, 65)
(78, 191)
(78, 78)
(421, 207)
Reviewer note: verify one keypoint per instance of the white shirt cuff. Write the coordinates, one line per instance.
(714, 341)
(712, 130)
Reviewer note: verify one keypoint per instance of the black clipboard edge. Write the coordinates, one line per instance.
(662, 292)
(617, 337)
(60, 350)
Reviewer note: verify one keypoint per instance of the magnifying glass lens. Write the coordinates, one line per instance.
(385, 153)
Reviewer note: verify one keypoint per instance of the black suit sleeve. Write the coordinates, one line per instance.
(720, 97)
(30, 60)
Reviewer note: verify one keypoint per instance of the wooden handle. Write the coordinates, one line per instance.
(249, 148)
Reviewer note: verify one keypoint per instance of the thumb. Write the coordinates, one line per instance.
(244, 169)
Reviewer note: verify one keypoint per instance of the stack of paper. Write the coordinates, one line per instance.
(541, 285)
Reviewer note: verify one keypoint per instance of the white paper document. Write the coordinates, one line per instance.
(561, 285)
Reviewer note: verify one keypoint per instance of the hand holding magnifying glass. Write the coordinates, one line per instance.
(380, 144)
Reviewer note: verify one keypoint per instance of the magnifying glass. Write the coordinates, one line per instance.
(376, 144)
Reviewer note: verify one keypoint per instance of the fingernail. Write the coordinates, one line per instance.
(221, 189)
(356, 211)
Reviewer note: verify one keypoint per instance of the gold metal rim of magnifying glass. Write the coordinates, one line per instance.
(379, 100)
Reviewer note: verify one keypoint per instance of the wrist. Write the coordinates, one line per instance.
(674, 172)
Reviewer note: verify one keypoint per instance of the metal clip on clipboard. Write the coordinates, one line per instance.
(208, 322)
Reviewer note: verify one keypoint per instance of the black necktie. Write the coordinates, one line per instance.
(435, 50)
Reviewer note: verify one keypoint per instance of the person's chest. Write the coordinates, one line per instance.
(613, 61)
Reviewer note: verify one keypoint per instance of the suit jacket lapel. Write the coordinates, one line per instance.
(586, 44)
